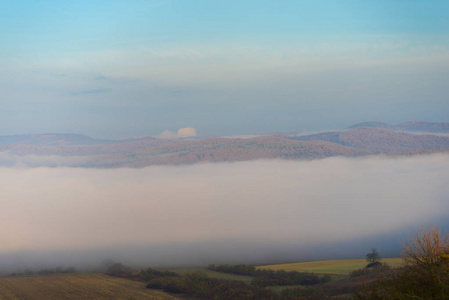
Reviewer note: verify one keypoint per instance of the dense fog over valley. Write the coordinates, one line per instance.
(224, 149)
(224, 212)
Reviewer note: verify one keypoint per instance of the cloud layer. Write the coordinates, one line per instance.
(273, 203)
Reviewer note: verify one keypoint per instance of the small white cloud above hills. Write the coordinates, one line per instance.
(182, 133)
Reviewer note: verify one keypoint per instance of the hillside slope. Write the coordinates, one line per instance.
(381, 139)
(63, 139)
(413, 126)
(81, 151)
(88, 286)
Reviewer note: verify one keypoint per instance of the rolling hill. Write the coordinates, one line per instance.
(63, 139)
(74, 150)
(78, 286)
(412, 126)
(383, 140)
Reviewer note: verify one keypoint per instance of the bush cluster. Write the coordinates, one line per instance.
(198, 285)
(119, 270)
(150, 274)
(270, 277)
(378, 268)
(249, 270)
(315, 292)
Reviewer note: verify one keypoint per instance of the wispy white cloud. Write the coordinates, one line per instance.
(182, 133)
(186, 132)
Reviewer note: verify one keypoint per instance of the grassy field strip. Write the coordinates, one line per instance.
(214, 274)
(87, 286)
(337, 267)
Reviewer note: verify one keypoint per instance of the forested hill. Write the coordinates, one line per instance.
(62, 139)
(419, 126)
(81, 151)
(140, 154)
(383, 140)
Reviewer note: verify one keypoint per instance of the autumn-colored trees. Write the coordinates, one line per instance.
(426, 255)
(426, 271)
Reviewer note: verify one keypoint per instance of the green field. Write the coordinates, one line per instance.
(86, 286)
(213, 274)
(337, 267)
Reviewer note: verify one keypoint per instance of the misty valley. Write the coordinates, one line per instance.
(209, 217)
(225, 150)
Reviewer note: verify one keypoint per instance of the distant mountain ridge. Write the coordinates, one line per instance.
(381, 139)
(389, 141)
(75, 150)
(62, 139)
(416, 126)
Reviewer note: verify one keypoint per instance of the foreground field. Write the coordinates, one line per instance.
(89, 286)
(337, 267)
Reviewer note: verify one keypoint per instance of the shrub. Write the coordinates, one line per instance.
(373, 264)
(372, 268)
(426, 271)
(119, 270)
(149, 274)
(198, 285)
(270, 277)
(249, 270)
(425, 256)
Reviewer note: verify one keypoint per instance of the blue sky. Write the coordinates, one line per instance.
(129, 68)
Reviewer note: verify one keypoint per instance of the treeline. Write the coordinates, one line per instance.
(270, 277)
(373, 268)
(119, 270)
(199, 286)
(46, 271)
(195, 285)
(248, 270)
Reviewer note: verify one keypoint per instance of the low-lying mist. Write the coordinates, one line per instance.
(259, 211)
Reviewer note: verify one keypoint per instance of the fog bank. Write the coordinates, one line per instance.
(217, 212)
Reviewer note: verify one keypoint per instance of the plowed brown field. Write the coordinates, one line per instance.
(85, 286)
